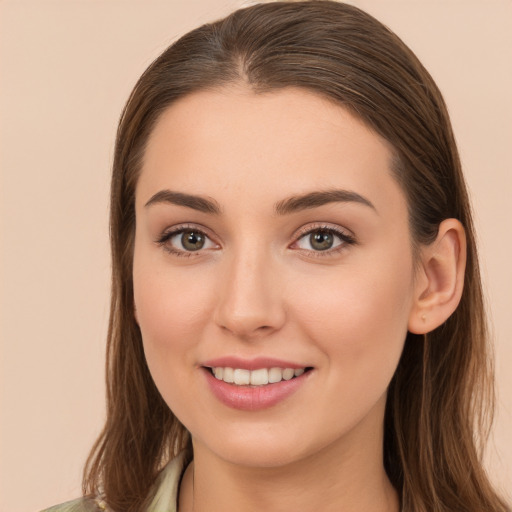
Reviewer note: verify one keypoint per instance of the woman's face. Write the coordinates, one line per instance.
(271, 240)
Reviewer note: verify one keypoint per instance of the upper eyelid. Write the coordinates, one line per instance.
(302, 231)
(323, 226)
(179, 228)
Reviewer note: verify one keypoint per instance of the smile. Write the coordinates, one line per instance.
(259, 377)
(255, 389)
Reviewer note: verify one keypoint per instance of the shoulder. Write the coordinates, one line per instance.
(78, 505)
(164, 495)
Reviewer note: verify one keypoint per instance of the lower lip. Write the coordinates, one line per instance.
(255, 398)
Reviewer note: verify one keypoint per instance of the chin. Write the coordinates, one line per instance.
(259, 456)
(262, 447)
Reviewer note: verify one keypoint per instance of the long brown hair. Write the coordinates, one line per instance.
(440, 399)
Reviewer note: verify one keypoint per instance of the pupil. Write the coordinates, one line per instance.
(192, 241)
(321, 240)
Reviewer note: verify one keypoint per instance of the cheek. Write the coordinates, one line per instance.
(173, 309)
(359, 318)
(172, 312)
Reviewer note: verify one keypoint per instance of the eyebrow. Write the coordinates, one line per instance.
(285, 207)
(198, 203)
(320, 198)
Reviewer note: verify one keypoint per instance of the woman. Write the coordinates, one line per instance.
(296, 316)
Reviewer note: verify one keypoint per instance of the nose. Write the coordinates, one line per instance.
(250, 299)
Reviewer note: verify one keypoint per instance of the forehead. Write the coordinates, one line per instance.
(264, 146)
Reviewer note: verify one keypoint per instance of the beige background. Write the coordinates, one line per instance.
(66, 69)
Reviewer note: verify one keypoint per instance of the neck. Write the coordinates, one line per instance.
(344, 476)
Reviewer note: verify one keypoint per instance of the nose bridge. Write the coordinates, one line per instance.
(250, 300)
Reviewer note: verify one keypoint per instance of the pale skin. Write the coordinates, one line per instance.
(259, 286)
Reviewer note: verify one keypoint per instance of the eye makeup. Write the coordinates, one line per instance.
(324, 240)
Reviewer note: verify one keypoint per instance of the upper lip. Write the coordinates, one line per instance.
(250, 364)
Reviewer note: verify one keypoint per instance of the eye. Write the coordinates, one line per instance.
(324, 239)
(184, 241)
(189, 240)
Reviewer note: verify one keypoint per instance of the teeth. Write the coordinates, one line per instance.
(229, 375)
(275, 375)
(260, 377)
(288, 373)
(242, 377)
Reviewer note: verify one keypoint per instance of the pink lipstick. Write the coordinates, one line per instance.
(253, 384)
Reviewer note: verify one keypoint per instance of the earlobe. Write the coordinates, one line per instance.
(440, 278)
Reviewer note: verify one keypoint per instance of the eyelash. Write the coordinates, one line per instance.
(345, 238)
(167, 235)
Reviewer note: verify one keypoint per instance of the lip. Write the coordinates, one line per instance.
(254, 398)
(251, 364)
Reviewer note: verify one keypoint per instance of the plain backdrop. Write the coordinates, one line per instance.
(67, 67)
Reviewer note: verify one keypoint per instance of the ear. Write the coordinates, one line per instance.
(439, 278)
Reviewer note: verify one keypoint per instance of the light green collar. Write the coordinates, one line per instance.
(166, 485)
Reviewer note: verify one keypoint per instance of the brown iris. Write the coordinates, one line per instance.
(321, 240)
(192, 240)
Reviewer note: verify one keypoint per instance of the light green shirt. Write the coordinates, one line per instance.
(164, 500)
